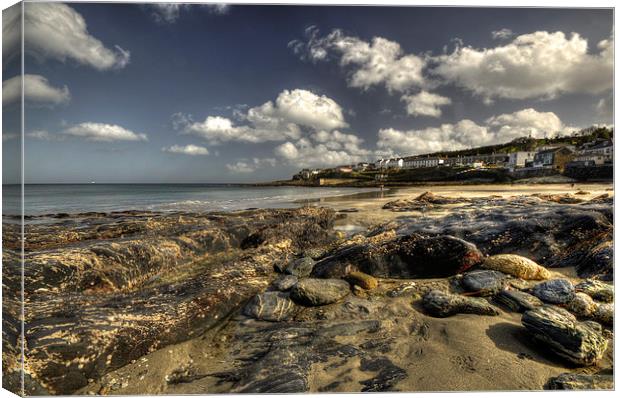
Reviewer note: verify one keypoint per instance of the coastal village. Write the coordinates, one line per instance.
(590, 160)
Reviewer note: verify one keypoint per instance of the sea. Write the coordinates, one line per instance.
(41, 199)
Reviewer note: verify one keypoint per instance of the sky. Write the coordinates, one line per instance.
(173, 93)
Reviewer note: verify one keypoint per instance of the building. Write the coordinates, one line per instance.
(361, 166)
(600, 148)
(344, 169)
(414, 162)
(306, 174)
(518, 159)
(394, 163)
(497, 159)
(555, 158)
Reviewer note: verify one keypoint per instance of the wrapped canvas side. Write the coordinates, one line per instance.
(12, 201)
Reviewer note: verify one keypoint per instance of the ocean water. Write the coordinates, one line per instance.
(76, 198)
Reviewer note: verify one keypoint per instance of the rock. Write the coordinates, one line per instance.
(518, 266)
(598, 290)
(269, 306)
(574, 381)
(580, 192)
(425, 201)
(483, 282)
(555, 291)
(598, 262)
(411, 256)
(284, 283)
(582, 305)
(604, 314)
(441, 304)
(301, 268)
(517, 300)
(313, 292)
(388, 374)
(579, 342)
(401, 290)
(565, 198)
(362, 280)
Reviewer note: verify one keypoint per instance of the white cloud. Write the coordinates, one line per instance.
(536, 65)
(379, 62)
(501, 34)
(55, 30)
(605, 107)
(37, 90)
(104, 132)
(250, 166)
(468, 134)
(40, 135)
(272, 121)
(425, 104)
(171, 12)
(192, 150)
(322, 153)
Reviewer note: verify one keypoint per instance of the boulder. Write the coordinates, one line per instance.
(555, 291)
(483, 282)
(517, 301)
(598, 262)
(411, 256)
(314, 292)
(301, 268)
(575, 381)
(579, 342)
(598, 290)
(441, 304)
(582, 305)
(284, 283)
(517, 266)
(362, 280)
(604, 314)
(269, 306)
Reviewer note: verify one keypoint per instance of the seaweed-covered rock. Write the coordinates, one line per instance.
(425, 201)
(301, 268)
(579, 342)
(582, 305)
(483, 282)
(517, 300)
(312, 292)
(598, 262)
(284, 283)
(598, 290)
(441, 304)
(574, 381)
(411, 256)
(269, 306)
(555, 291)
(518, 266)
(362, 280)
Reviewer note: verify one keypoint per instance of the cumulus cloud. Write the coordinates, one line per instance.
(425, 104)
(605, 107)
(535, 65)
(103, 132)
(501, 34)
(378, 62)
(170, 12)
(272, 121)
(37, 90)
(192, 150)
(305, 153)
(57, 31)
(250, 166)
(467, 134)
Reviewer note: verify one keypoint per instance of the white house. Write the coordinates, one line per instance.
(518, 159)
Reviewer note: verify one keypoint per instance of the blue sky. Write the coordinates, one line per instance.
(138, 93)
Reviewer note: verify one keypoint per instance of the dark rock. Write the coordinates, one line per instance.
(312, 292)
(270, 306)
(555, 291)
(412, 256)
(388, 374)
(565, 198)
(284, 283)
(441, 304)
(401, 290)
(483, 282)
(598, 262)
(517, 300)
(301, 268)
(574, 381)
(579, 342)
(598, 290)
(425, 201)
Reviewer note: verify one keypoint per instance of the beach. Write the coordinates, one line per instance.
(177, 302)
